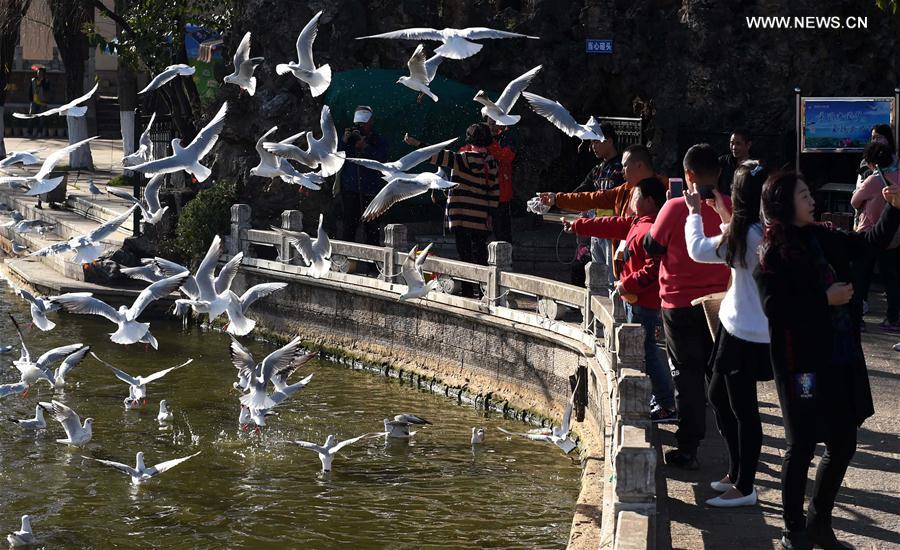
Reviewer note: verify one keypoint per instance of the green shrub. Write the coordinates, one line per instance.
(203, 217)
(122, 181)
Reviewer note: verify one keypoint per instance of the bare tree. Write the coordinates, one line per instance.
(11, 14)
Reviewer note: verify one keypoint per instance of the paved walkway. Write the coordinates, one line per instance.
(867, 513)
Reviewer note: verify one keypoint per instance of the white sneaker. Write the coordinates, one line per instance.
(719, 502)
(719, 486)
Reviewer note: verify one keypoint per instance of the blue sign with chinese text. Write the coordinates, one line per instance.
(598, 45)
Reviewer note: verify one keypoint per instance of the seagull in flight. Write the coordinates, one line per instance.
(22, 227)
(87, 248)
(321, 154)
(261, 373)
(144, 152)
(271, 166)
(315, 253)
(330, 448)
(166, 75)
(24, 536)
(188, 158)
(499, 111)
(399, 168)
(151, 209)
(140, 473)
(244, 66)
(77, 435)
(72, 108)
(560, 117)
(402, 186)
(40, 183)
(128, 329)
(139, 383)
(36, 423)
(305, 68)
(558, 436)
(416, 287)
(40, 307)
(457, 43)
(399, 427)
(24, 158)
(421, 72)
(33, 371)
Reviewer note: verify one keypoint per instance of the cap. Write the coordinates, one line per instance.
(362, 114)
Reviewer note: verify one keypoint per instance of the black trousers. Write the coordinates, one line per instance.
(352, 207)
(502, 223)
(688, 345)
(471, 245)
(840, 445)
(732, 393)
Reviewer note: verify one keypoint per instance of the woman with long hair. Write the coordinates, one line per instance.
(740, 355)
(817, 356)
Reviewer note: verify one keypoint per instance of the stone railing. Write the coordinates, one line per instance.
(537, 337)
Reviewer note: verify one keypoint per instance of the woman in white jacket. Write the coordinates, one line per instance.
(740, 356)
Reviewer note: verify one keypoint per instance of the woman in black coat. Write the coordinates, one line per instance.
(817, 356)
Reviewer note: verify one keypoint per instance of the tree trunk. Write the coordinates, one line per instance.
(2, 131)
(69, 18)
(11, 14)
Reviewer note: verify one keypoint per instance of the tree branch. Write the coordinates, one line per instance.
(115, 17)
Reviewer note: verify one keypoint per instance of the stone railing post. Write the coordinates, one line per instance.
(596, 283)
(499, 260)
(240, 223)
(394, 242)
(635, 471)
(292, 220)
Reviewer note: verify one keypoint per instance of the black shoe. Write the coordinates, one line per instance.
(821, 534)
(662, 415)
(38, 206)
(795, 540)
(681, 459)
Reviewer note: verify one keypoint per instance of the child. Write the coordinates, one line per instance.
(638, 282)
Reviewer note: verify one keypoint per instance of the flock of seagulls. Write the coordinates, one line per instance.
(266, 384)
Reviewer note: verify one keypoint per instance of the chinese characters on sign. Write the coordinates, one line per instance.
(598, 45)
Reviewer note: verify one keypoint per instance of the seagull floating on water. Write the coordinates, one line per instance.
(499, 111)
(77, 435)
(315, 253)
(144, 152)
(422, 70)
(562, 119)
(457, 43)
(305, 68)
(151, 209)
(244, 66)
(399, 427)
(477, 436)
(139, 383)
(72, 108)
(40, 183)
(87, 248)
(188, 158)
(24, 536)
(166, 75)
(558, 436)
(416, 287)
(36, 423)
(330, 448)
(271, 166)
(321, 154)
(165, 416)
(140, 473)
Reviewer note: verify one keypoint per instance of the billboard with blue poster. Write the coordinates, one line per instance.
(204, 52)
(842, 124)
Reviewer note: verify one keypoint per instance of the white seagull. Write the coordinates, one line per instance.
(416, 287)
(271, 166)
(261, 374)
(404, 186)
(20, 157)
(36, 423)
(39, 182)
(165, 416)
(477, 436)
(9, 389)
(188, 158)
(40, 227)
(139, 383)
(499, 111)
(144, 152)
(457, 43)
(244, 66)
(244, 362)
(77, 435)
(40, 307)
(33, 371)
(140, 473)
(558, 436)
(129, 330)
(399, 426)
(315, 253)
(321, 154)
(305, 68)
(87, 248)
(421, 72)
(330, 448)
(560, 117)
(151, 209)
(398, 169)
(166, 75)
(93, 189)
(71, 108)
(24, 536)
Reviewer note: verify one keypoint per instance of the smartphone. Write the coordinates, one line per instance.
(706, 191)
(676, 186)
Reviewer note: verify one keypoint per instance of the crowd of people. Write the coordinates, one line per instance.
(793, 291)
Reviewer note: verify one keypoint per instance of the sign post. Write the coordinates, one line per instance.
(598, 45)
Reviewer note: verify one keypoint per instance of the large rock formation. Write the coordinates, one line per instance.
(694, 70)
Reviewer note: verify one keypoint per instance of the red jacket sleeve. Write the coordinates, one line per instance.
(645, 277)
(657, 240)
(606, 227)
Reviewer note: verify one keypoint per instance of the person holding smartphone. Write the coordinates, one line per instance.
(682, 280)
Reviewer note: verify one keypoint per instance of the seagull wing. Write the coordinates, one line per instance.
(228, 273)
(86, 305)
(71, 362)
(514, 89)
(55, 248)
(169, 464)
(29, 297)
(69, 419)
(373, 165)
(285, 372)
(206, 272)
(256, 292)
(420, 259)
(151, 192)
(55, 354)
(305, 42)
(554, 112)
(242, 53)
(265, 157)
(302, 242)
(312, 446)
(145, 135)
(392, 193)
(159, 374)
(166, 75)
(26, 355)
(416, 65)
(322, 244)
(329, 133)
(106, 229)
(334, 450)
(165, 165)
(120, 374)
(279, 359)
(122, 194)
(481, 33)
(418, 33)
(289, 151)
(532, 437)
(53, 158)
(9, 389)
(78, 100)
(241, 356)
(208, 136)
(431, 66)
(124, 468)
(418, 156)
(155, 291)
(567, 414)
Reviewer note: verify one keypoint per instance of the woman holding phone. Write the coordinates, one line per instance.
(817, 356)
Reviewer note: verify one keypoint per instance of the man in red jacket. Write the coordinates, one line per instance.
(638, 283)
(503, 149)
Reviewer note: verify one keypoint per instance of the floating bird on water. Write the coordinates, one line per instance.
(399, 426)
(77, 435)
(88, 247)
(139, 383)
(144, 152)
(416, 287)
(36, 423)
(499, 111)
(422, 70)
(317, 254)
(167, 74)
(305, 68)
(244, 66)
(140, 473)
(40, 182)
(457, 43)
(151, 209)
(558, 436)
(477, 436)
(329, 449)
(24, 536)
(562, 119)
(321, 154)
(165, 416)
(72, 108)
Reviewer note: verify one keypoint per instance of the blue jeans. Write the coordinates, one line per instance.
(657, 369)
(601, 252)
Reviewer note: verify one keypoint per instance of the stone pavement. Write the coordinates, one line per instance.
(867, 513)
